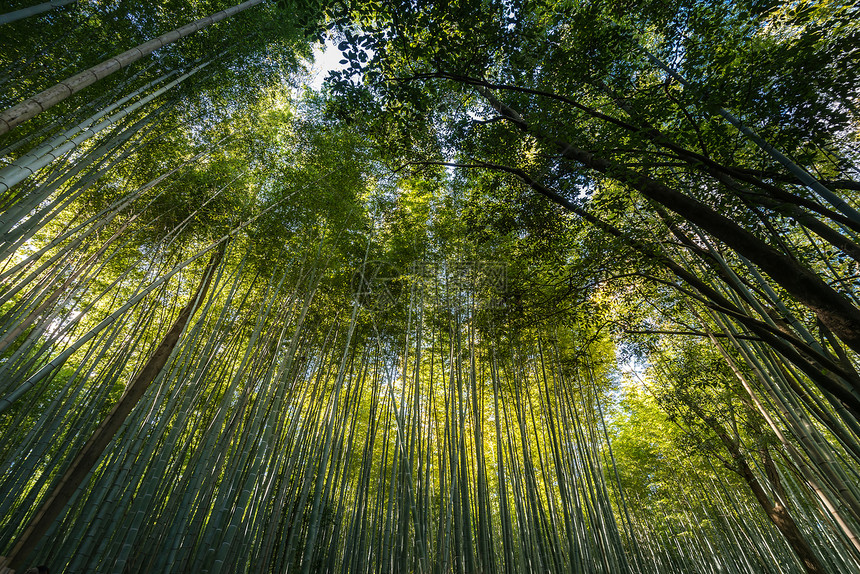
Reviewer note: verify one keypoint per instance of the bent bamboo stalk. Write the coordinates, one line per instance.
(31, 107)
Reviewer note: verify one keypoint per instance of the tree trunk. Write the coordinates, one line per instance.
(821, 370)
(780, 518)
(10, 17)
(42, 156)
(799, 460)
(89, 455)
(776, 512)
(31, 107)
(31, 317)
(800, 173)
(831, 308)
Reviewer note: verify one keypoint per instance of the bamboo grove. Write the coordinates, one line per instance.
(525, 286)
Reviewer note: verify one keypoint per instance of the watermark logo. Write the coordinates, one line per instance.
(377, 285)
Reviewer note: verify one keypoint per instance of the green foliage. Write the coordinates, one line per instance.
(576, 366)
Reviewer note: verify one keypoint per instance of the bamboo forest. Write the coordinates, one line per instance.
(421, 286)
